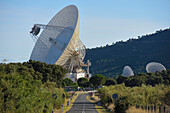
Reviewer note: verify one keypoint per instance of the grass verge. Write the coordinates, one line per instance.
(71, 102)
(135, 110)
(65, 107)
(98, 108)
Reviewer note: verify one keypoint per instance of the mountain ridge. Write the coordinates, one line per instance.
(110, 59)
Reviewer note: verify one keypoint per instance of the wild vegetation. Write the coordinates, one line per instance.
(83, 82)
(145, 89)
(28, 87)
(69, 82)
(94, 81)
(139, 95)
(146, 78)
(152, 79)
(111, 59)
(97, 80)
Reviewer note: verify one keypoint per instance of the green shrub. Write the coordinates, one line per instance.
(110, 81)
(121, 105)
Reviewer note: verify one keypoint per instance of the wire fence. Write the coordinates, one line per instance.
(155, 108)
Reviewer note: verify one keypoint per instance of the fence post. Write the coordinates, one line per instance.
(159, 108)
(155, 108)
(62, 107)
(103, 108)
(137, 106)
(164, 109)
(152, 108)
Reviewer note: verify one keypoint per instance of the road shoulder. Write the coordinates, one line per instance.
(98, 108)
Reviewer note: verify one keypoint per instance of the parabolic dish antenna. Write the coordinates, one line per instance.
(127, 71)
(59, 42)
(154, 66)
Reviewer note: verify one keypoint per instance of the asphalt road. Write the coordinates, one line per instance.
(82, 105)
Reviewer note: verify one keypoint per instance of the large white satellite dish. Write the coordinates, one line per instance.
(59, 42)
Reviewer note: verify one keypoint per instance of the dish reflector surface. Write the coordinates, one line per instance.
(55, 46)
(127, 71)
(154, 66)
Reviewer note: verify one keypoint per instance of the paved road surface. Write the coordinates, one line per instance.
(82, 105)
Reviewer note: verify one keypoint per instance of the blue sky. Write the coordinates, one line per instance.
(101, 21)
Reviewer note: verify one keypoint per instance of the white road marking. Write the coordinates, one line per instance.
(83, 108)
(83, 105)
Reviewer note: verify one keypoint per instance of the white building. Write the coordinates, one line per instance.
(79, 73)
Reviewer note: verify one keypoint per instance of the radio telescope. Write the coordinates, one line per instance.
(154, 66)
(127, 71)
(59, 42)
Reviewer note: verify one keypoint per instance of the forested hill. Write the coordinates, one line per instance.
(111, 59)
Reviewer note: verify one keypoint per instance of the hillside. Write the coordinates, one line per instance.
(110, 60)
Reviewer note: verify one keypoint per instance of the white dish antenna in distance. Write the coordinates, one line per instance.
(152, 67)
(127, 71)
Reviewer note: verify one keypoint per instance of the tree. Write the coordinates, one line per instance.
(110, 81)
(68, 82)
(28, 86)
(121, 79)
(166, 82)
(154, 80)
(133, 82)
(167, 98)
(98, 80)
(122, 105)
(83, 82)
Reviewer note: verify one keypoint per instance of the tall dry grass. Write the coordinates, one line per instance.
(133, 109)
